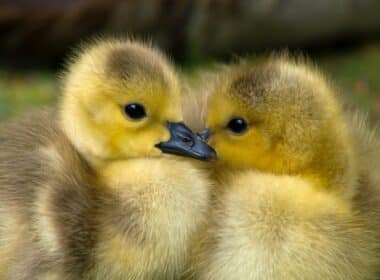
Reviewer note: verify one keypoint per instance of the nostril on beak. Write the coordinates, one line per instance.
(187, 139)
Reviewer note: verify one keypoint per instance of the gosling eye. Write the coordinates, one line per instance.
(237, 125)
(135, 111)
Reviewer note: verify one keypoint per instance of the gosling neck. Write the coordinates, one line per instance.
(333, 166)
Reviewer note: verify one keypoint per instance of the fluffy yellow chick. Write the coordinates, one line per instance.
(298, 181)
(86, 191)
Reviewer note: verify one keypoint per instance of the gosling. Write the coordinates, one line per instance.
(88, 190)
(297, 194)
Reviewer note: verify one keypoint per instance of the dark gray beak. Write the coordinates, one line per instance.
(184, 142)
(204, 134)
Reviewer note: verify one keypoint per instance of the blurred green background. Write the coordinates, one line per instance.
(356, 73)
(35, 36)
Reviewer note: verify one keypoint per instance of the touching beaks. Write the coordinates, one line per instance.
(204, 134)
(184, 142)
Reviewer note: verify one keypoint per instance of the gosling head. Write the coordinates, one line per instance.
(279, 116)
(121, 100)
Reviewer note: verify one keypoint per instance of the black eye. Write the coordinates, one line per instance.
(237, 125)
(135, 111)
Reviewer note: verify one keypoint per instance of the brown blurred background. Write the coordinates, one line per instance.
(342, 36)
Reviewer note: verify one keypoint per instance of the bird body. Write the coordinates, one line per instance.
(86, 191)
(298, 189)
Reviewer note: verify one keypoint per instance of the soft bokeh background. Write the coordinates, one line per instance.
(341, 36)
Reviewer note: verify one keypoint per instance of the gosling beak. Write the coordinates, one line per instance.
(186, 143)
(205, 134)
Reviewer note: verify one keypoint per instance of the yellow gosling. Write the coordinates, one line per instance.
(89, 190)
(297, 193)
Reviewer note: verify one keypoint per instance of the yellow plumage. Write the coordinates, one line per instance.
(86, 191)
(297, 193)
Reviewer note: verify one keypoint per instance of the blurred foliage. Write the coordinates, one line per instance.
(356, 73)
(40, 32)
(21, 91)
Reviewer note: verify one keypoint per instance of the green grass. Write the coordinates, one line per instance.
(357, 74)
(21, 91)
